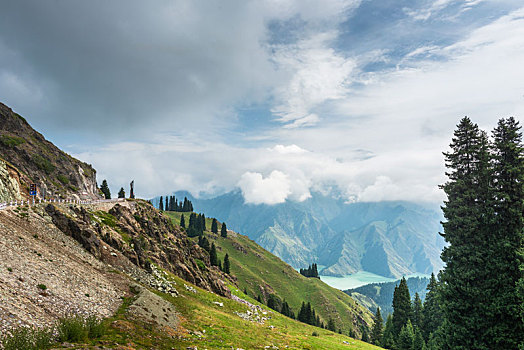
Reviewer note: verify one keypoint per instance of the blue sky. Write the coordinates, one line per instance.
(278, 98)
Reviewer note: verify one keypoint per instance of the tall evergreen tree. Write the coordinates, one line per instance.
(331, 325)
(432, 314)
(405, 337)
(469, 217)
(302, 313)
(121, 193)
(418, 340)
(182, 221)
(214, 226)
(227, 266)
(223, 230)
(376, 331)
(203, 219)
(161, 203)
(505, 329)
(402, 312)
(166, 206)
(104, 188)
(388, 339)
(213, 258)
(417, 312)
(286, 310)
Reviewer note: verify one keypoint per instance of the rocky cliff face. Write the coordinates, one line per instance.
(38, 161)
(9, 183)
(144, 236)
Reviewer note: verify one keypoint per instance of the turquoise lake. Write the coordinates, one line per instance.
(359, 279)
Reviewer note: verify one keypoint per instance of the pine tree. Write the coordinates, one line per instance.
(223, 230)
(203, 219)
(214, 226)
(213, 258)
(270, 302)
(104, 188)
(302, 313)
(365, 335)
(388, 339)
(469, 217)
(417, 312)
(182, 221)
(405, 337)
(161, 204)
(205, 243)
(432, 314)
(121, 193)
(226, 264)
(376, 331)
(166, 206)
(402, 312)
(505, 329)
(331, 325)
(418, 341)
(131, 190)
(315, 271)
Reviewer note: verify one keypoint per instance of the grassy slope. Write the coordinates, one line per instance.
(255, 267)
(209, 326)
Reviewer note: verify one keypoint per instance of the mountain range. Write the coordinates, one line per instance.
(391, 239)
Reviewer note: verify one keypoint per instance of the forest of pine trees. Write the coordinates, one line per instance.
(311, 271)
(481, 305)
(477, 300)
(171, 203)
(197, 225)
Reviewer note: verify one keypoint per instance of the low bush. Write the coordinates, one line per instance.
(71, 329)
(24, 338)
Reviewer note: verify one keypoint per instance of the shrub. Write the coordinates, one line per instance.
(28, 339)
(43, 164)
(71, 329)
(42, 286)
(201, 264)
(77, 328)
(63, 179)
(315, 334)
(95, 327)
(11, 141)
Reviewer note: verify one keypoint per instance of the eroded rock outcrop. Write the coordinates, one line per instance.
(39, 161)
(145, 237)
(9, 183)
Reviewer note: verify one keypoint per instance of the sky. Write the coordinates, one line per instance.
(279, 98)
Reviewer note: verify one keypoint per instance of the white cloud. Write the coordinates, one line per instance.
(273, 189)
(423, 14)
(317, 74)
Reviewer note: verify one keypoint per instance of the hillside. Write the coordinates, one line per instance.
(375, 295)
(260, 273)
(27, 157)
(90, 261)
(390, 239)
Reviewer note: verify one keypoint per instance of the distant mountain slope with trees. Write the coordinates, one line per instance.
(375, 295)
(391, 239)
